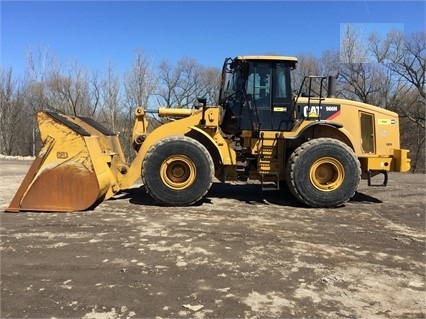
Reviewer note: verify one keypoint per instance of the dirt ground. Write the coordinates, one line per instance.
(242, 253)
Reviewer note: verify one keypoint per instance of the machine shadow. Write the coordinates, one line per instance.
(364, 198)
(252, 194)
(247, 193)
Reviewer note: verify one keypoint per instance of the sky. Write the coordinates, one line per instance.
(98, 33)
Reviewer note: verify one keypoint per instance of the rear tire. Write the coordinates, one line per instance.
(323, 172)
(177, 171)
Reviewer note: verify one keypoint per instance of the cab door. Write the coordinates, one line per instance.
(269, 96)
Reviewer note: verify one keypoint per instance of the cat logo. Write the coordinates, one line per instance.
(326, 112)
(312, 111)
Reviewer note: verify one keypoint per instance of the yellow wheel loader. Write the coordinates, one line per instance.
(320, 146)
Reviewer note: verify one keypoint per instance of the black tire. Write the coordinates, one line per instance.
(323, 172)
(177, 171)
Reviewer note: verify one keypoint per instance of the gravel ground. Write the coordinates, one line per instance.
(242, 253)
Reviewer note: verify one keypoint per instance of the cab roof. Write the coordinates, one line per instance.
(267, 57)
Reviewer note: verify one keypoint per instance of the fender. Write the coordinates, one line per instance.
(312, 124)
(219, 144)
(341, 133)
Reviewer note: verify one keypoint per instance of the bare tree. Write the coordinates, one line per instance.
(183, 84)
(10, 108)
(109, 95)
(39, 65)
(359, 79)
(309, 65)
(211, 85)
(362, 82)
(405, 56)
(15, 120)
(140, 83)
(169, 82)
(95, 92)
(352, 46)
(69, 91)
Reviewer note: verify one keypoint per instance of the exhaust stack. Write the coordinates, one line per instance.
(332, 78)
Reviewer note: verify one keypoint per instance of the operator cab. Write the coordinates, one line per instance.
(256, 94)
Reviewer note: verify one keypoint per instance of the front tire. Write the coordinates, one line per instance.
(177, 171)
(323, 172)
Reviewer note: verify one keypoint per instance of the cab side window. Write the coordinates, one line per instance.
(259, 85)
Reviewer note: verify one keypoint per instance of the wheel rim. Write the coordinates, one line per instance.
(178, 172)
(327, 174)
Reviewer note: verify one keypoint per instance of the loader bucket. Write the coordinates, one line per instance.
(75, 169)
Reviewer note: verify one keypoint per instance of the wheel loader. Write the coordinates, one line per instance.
(315, 147)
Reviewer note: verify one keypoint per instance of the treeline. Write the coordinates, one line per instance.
(388, 72)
